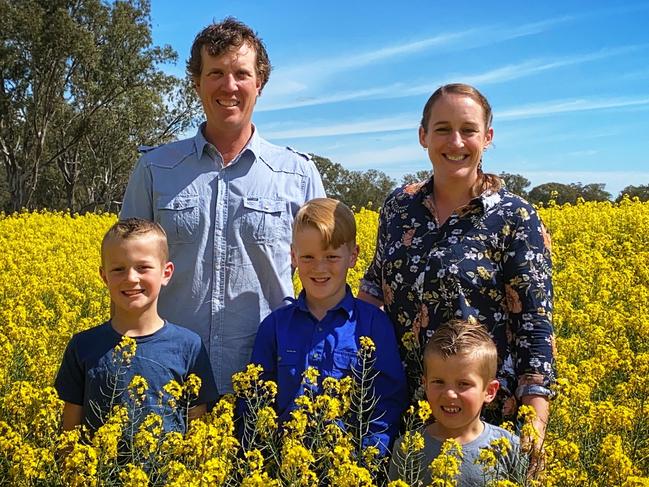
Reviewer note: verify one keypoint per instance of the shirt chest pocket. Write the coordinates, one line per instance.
(264, 220)
(179, 216)
(343, 363)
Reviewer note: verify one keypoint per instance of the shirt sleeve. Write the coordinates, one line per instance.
(202, 368)
(372, 280)
(138, 198)
(389, 384)
(264, 351)
(314, 186)
(70, 379)
(528, 291)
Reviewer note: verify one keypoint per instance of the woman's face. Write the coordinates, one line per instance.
(455, 137)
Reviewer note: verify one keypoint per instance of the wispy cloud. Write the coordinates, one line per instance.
(548, 108)
(410, 121)
(394, 156)
(400, 90)
(291, 80)
(387, 124)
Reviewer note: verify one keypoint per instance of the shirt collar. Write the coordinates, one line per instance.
(346, 304)
(253, 145)
(488, 199)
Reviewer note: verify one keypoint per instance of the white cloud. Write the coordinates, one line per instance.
(400, 90)
(547, 108)
(387, 124)
(309, 77)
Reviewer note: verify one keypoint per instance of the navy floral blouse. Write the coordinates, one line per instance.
(490, 262)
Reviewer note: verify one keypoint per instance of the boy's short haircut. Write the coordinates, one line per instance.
(461, 337)
(332, 218)
(137, 228)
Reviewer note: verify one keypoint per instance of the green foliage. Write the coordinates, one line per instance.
(515, 183)
(359, 189)
(567, 193)
(641, 192)
(416, 177)
(80, 91)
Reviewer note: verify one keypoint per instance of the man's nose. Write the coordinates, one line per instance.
(229, 83)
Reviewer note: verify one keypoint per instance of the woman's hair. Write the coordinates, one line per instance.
(461, 337)
(485, 180)
(331, 218)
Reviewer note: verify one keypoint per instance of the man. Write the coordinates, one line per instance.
(226, 199)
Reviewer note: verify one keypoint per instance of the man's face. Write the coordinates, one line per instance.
(228, 88)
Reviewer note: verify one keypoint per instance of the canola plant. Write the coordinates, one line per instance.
(50, 288)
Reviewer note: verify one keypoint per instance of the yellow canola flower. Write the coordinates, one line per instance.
(134, 476)
(137, 388)
(50, 289)
(445, 468)
(367, 345)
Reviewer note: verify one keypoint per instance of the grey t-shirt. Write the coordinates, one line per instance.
(471, 474)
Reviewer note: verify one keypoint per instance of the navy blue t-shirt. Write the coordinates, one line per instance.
(92, 375)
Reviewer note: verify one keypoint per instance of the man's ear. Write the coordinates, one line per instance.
(167, 272)
(491, 390)
(103, 274)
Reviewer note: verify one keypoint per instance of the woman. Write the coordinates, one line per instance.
(461, 245)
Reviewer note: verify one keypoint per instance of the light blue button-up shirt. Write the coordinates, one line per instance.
(229, 232)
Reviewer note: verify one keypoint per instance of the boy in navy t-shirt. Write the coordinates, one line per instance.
(100, 369)
(323, 326)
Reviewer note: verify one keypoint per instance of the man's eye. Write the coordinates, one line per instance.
(441, 130)
(333, 257)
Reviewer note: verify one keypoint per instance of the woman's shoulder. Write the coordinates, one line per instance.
(405, 197)
(512, 206)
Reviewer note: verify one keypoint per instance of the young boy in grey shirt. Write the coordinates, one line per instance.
(460, 361)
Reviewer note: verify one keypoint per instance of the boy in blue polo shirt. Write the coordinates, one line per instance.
(96, 371)
(323, 326)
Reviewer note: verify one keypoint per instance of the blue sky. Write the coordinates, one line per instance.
(568, 81)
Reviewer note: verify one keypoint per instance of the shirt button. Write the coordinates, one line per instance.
(319, 328)
(316, 356)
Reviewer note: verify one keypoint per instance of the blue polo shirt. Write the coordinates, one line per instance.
(291, 339)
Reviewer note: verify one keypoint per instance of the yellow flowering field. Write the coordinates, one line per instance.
(50, 288)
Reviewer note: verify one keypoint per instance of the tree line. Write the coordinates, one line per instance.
(371, 187)
(82, 87)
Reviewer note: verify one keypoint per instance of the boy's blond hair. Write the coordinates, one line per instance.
(461, 337)
(137, 228)
(332, 218)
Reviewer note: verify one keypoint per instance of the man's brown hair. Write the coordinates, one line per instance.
(222, 37)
